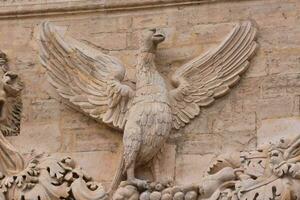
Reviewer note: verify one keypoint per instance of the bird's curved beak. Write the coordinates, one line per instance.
(158, 36)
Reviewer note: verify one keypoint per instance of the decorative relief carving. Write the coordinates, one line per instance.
(41, 177)
(272, 172)
(10, 116)
(93, 83)
(10, 99)
(268, 173)
(50, 178)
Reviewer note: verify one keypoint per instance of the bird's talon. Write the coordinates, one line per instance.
(141, 184)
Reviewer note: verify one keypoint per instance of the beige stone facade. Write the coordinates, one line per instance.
(263, 106)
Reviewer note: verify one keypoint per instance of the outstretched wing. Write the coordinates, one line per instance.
(203, 79)
(88, 79)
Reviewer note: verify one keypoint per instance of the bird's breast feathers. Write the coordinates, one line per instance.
(151, 93)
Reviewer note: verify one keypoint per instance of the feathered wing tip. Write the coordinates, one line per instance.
(210, 76)
(86, 78)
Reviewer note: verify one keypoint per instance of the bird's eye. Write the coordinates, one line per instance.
(153, 30)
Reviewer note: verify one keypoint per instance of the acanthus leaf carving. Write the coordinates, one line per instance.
(51, 178)
(43, 177)
(268, 173)
(82, 190)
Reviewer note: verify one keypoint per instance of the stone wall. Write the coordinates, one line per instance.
(264, 105)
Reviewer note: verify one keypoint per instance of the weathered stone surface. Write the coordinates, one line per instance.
(186, 163)
(239, 175)
(92, 83)
(264, 105)
(47, 137)
(272, 130)
(167, 164)
(89, 159)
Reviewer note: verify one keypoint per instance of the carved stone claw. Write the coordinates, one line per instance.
(140, 184)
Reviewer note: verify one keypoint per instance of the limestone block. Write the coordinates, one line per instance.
(236, 141)
(95, 140)
(179, 54)
(211, 33)
(38, 137)
(168, 163)
(149, 21)
(274, 107)
(283, 60)
(201, 125)
(258, 67)
(199, 144)
(113, 24)
(75, 121)
(293, 85)
(128, 57)
(243, 122)
(191, 168)
(43, 110)
(248, 87)
(272, 130)
(132, 42)
(274, 86)
(110, 41)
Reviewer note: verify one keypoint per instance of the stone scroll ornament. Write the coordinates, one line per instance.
(34, 177)
(146, 111)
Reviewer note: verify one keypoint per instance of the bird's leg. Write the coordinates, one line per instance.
(143, 184)
(158, 176)
(155, 169)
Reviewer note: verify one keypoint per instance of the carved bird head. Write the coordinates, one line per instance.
(150, 39)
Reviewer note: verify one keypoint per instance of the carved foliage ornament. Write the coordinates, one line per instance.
(41, 177)
(268, 173)
(50, 178)
(93, 83)
(271, 173)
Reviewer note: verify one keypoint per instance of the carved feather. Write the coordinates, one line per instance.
(88, 79)
(199, 82)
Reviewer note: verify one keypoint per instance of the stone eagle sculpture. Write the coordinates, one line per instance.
(93, 82)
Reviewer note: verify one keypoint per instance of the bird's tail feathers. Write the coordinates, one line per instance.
(117, 178)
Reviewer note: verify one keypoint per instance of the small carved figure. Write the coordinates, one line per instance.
(93, 83)
(11, 160)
